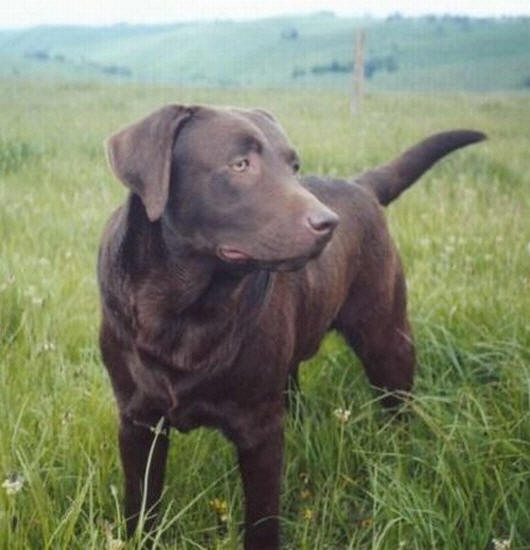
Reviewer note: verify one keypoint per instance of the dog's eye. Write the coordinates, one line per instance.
(296, 166)
(240, 165)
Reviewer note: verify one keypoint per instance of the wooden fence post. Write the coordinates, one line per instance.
(358, 73)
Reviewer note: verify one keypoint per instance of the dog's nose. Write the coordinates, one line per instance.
(322, 221)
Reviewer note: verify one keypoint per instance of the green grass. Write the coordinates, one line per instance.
(454, 477)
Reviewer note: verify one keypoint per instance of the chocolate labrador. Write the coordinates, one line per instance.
(223, 270)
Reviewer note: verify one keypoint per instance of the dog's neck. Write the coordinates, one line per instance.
(179, 319)
(182, 296)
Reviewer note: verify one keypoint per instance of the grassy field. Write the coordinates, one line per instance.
(455, 477)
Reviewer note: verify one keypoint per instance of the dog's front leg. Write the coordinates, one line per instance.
(143, 451)
(261, 471)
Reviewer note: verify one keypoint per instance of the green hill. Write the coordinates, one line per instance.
(427, 53)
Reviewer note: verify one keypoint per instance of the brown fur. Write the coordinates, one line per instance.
(224, 270)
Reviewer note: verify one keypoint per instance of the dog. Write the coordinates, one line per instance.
(223, 271)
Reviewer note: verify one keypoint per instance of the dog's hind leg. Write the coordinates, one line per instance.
(374, 322)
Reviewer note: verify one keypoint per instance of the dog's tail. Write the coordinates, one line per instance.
(388, 181)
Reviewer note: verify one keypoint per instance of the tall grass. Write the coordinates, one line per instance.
(455, 476)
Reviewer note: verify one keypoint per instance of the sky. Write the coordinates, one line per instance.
(23, 13)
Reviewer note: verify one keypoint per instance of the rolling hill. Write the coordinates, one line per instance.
(423, 54)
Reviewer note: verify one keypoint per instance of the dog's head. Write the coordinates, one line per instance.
(225, 181)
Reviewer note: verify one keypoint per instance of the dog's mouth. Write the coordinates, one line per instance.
(233, 255)
(237, 257)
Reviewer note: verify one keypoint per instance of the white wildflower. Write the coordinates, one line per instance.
(112, 542)
(31, 292)
(46, 347)
(501, 544)
(13, 484)
(342, 415)
(115, 544)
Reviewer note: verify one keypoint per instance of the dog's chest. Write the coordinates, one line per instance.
(228, 399)
(213, 363)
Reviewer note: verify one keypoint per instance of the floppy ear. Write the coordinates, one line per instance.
(266, 122)
(266, 114)
(140, 156)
